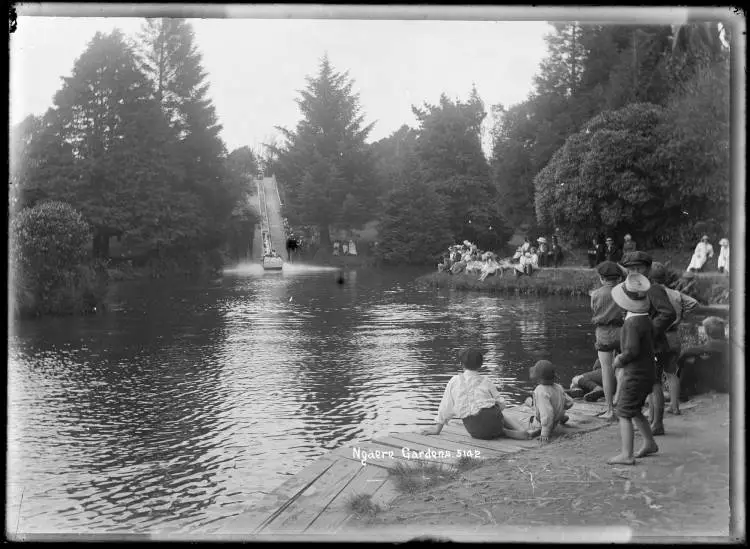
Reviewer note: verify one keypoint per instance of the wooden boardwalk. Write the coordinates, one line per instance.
(313, 503)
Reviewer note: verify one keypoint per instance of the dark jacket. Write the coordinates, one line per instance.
(637, 355)
(662, 316)
(613, 254)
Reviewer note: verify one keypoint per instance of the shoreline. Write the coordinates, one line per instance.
(682, 492)
(570, 281)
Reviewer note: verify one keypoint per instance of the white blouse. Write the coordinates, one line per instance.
(466, 394)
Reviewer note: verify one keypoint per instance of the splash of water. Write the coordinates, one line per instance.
(252, 268)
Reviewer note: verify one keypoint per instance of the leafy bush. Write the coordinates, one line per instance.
(49, 262)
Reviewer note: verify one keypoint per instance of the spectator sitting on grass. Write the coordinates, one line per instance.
(549, 399)
(472, 398)
(706, 366)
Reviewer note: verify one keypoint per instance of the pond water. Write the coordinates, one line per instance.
(185, 401)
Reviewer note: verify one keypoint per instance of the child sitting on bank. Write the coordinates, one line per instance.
(473, 398)
(549, 399)
(588, 385)
(635, 368)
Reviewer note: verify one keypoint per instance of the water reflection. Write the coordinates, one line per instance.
(189, 400)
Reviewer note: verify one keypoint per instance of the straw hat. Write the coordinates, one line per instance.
(631, 294)
(541, 240)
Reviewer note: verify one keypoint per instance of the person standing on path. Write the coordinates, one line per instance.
(635, 368)
(628, 245)
(608, 318)
(594, 253)
(723, 263)
(611, 251)
(662, 316)
(703, 252)
(682, 304)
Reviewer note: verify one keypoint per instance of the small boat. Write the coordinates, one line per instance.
(272, 263)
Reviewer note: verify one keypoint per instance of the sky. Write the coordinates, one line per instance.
(256, 66)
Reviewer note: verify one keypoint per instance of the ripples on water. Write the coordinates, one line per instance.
(186, 402)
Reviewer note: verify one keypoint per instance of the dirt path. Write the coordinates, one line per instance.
(683, 491)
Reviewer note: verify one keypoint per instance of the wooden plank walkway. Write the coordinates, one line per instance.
(313, 503)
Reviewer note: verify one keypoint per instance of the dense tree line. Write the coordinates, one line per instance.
(132, 143)
(627, 130)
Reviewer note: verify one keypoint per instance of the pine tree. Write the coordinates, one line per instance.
(172, 62)
(105, 117)
(325, 166)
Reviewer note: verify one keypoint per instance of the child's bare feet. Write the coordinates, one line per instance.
(621, 460)
(674, 411)
(647, 450)
(609, 415)
(657, 430)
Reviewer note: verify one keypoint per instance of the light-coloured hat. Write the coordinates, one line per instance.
(704, 237)
(723, 242)
(631, 294)
(541, 240)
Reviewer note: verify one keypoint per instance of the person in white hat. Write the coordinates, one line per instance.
(723, 262)
(634, 367)
(703, 252)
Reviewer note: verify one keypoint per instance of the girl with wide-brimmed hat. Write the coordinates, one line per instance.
(635, 367)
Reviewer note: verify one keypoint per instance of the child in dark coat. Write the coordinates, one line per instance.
(634, 368)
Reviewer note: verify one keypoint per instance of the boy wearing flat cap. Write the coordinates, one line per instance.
(662, 316)
(607, 318)
(635, 368)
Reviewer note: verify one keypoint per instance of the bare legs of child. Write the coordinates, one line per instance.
(656, 410)
(674, 394)
(608, 382)
(515, 429)
(626, 456)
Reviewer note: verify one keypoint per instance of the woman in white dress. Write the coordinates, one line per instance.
(352, 248)
(703, 252)
(723, 262)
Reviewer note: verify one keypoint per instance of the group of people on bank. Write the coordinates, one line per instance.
(635, 317)
(467, 257)
(344, 247)
(607, 249)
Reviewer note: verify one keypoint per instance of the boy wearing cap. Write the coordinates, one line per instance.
(608, 319)
(474, 399)
(635, 367)
(662, 316)
(549, 399)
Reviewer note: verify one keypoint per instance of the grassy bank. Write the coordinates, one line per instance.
(566, 281)
(710, 288)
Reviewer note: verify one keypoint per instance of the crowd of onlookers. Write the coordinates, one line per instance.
(636, 318)
(606, 249)
(467, 257)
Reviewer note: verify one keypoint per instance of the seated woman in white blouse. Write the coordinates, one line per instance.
(473, 398)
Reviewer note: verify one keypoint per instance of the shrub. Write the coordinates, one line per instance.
(49, 262)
